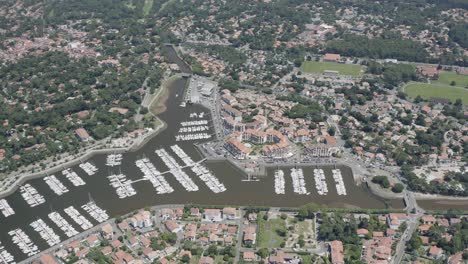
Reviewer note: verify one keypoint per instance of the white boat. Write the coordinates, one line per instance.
(340, 186)
(6, 208)
(154, 176)
(89, 168)
(297, 176)
(96, 212)
(55, 185)
(63, 224)
(114, 160)
(279, 182)
(211, 181)
(45, 232)
(5, 256)
(320, 182)
(31, 196)
(23, 242)
(73, 178)
(177, 171)
(122, 185)
(78, 218)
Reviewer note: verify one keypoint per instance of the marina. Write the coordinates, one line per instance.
(114, 160)
(279, 182)
(211, 181)
(238, 192)
(55, 185)
(45, 232)
(5, 256)
(89, 168)
(177, 171)
(78, 218)
(298, 181)
(31, 196)
(73, 178)
(23, 242)
(6, 208)
(63, 224)
(123, 187)
(154, 176)
(95, 212)
(340, 186)
(320, 182)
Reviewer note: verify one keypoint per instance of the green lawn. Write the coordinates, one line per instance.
(147, 7)
(267, 236)
(320, 67)
(436, 90)
(447, 77)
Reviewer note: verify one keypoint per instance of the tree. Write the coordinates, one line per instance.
(415, 242)
(263, 253)
(453, 83)
(185, 258)
(397, 188)
(213, 250)
(382, 181)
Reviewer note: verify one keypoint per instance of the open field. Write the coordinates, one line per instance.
(436, 90)
(319, 67)
(267, 235)
(447, 77)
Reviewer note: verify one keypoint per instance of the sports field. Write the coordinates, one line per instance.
(319, 67)
(448, 77)
(436, 90)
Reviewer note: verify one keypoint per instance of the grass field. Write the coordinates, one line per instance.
(267, 236)
(147, 7)
(320, 67)
(448, 77)
(436, 90)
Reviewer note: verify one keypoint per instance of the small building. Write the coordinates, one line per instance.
(435, 252)
(206, 260)
(212, 215)
(172, 226)
(249, 256)
(82, 134)
(48, 259)
(337, 252)
(331, 57)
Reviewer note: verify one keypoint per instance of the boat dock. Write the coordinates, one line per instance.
(95, 212)
(55, 185)
(177, 171)
(279, 182)
(6, 208)
(5, 256)
(154, 176)
(23, 242)
(78, 218)
(114, 160)
(320, 183)
(31, 196)
(211, 181)
(89, 168)
(122, 185)
(73, 178)
(340, 186)
(63, 224)
(45, 232)
(298, 181)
